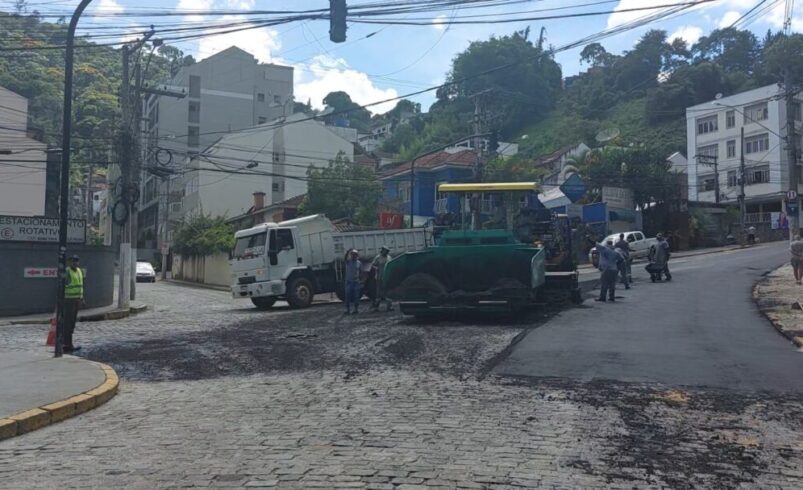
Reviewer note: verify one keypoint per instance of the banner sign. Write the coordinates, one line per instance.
(38, 229)
(617, 197)
(390, 221)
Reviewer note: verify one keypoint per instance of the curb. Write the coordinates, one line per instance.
(795, 339)
(51, 413)
(95, 317)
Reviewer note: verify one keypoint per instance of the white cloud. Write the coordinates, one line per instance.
(260, 42)
(620, 17)
(439, 22)
(775, 18)
(728, 19)
(690, 34)
(328, 74)
(109, 7)
(194, 6)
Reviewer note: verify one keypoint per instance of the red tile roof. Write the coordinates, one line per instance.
(462, 158)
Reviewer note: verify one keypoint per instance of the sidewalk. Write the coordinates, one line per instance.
(779, 299)
(110, 312)
(38, 389)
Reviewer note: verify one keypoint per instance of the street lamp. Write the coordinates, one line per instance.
(66, 128)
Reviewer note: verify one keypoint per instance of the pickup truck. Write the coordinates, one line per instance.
(639, 245)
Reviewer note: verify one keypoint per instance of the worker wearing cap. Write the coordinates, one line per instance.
(378, 266)
(73, 299)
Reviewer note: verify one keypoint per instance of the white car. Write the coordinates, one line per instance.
(639, 245)
(145, 272)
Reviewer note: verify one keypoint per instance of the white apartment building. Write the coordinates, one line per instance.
(275, 158)
(225, 92)
(23, 160)
(713, 134)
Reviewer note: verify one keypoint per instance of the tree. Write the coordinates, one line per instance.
(733, 50)
(203, 235)
(347, 110)
(524, 91)
(595, 55)
(343, 190)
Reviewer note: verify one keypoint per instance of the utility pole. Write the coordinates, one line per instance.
(479, 166)
(742, 197)
(123, 291)
(129, 169)
(791, 149)
(713, 161)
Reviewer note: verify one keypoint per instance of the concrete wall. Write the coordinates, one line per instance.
(211, 269)
(19, 296)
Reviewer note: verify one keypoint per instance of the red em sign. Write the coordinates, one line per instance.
(40, 272)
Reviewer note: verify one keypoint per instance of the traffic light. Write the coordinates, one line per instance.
(337, 20)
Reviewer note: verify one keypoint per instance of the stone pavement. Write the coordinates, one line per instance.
(393, 425)
(30, 379)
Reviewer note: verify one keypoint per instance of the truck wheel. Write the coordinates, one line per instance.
(299, 292)
(340, 291)
(263, 303)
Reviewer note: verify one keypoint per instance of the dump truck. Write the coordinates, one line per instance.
(296, 259)
(489, 270)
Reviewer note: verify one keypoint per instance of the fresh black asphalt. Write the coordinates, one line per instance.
(701, 329)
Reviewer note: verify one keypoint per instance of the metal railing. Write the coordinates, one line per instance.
(757, 218)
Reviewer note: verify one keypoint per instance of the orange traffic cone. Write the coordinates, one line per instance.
(51, 334)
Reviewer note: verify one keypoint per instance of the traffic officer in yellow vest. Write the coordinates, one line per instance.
(73, 299)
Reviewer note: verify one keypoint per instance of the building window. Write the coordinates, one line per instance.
(195, 86)
(193, 136)
(756, 112)
(707, 182)
(730, 119)
(730, 148)
(758, 175)
(733, 178)
(796, 111)
(277, 99)
(262, 120)
(756, 144)
(260, 97)
(404, 191)
(277, 186)
(707, 125)
(277, 157)
(708, 153)
(194, 115)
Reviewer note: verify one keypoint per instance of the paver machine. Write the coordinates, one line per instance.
(489, 270)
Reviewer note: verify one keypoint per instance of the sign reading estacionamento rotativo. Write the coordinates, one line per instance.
(39, 229)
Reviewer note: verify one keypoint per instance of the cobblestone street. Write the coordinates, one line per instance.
(215, 393)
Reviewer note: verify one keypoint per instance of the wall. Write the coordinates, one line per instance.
(299, 145)
(211, 269)
(22, 296)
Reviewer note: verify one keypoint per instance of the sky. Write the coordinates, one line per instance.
(396, 60)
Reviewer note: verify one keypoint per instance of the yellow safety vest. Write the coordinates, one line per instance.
(75, 284)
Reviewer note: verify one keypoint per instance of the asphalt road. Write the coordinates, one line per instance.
(700, 329)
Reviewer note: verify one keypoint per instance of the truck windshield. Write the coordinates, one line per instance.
(250, 246)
